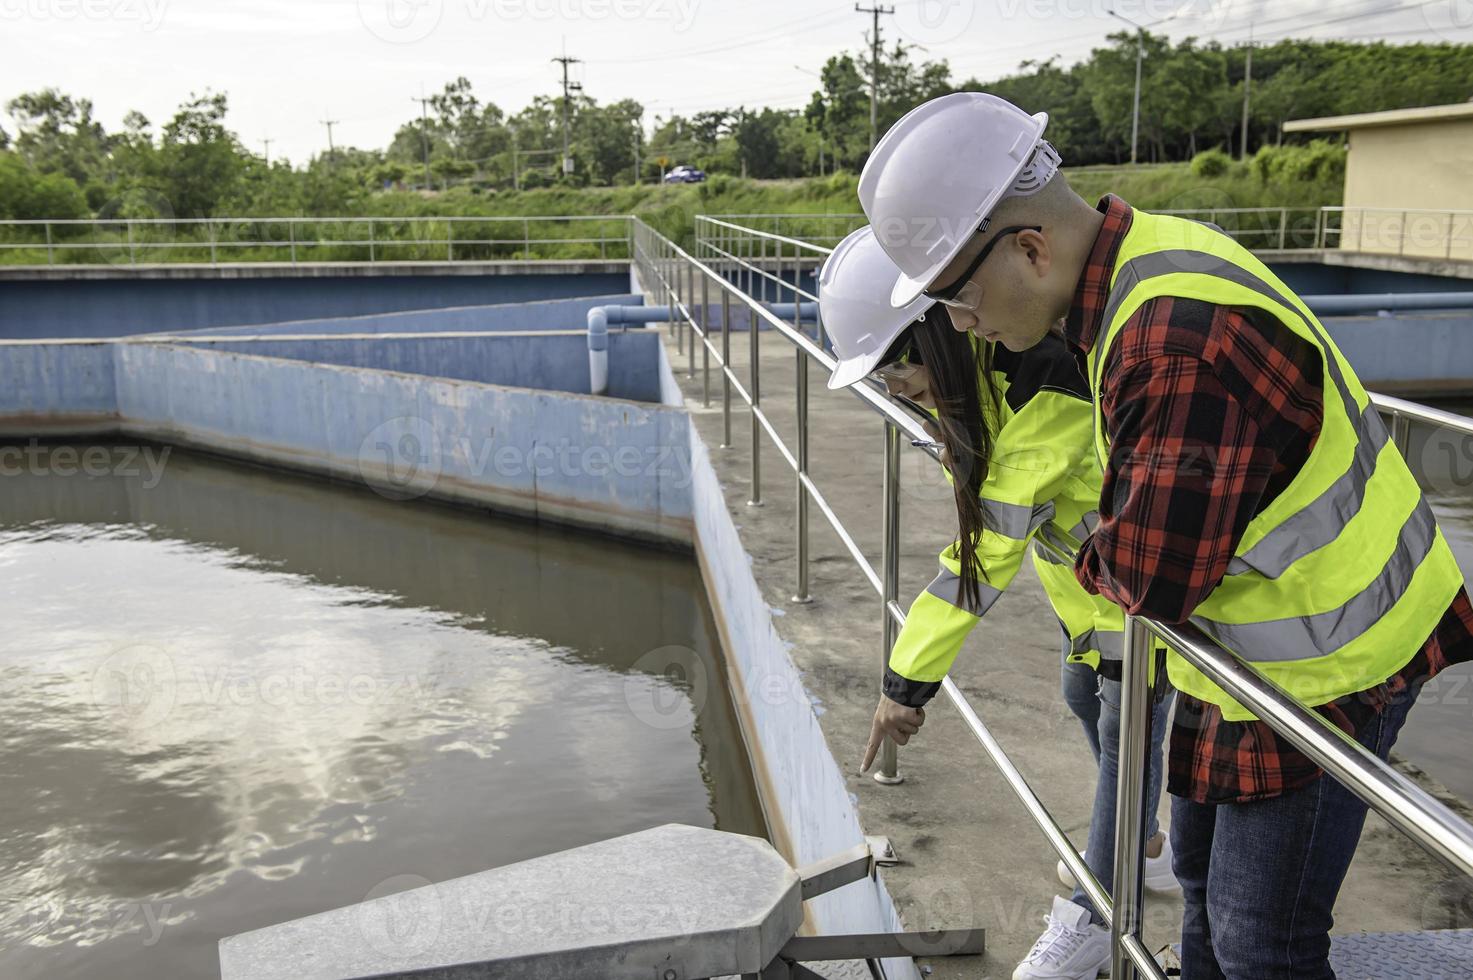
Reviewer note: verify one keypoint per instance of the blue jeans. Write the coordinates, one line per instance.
(1095, 701)
(1259, 879)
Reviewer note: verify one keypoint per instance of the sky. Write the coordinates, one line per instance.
(290, 65)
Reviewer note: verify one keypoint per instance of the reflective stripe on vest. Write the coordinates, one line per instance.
(1294, 559)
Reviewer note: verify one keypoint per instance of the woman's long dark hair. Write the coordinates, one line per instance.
(960, 370)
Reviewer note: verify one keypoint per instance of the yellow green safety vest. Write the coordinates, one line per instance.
(1343, 576)
(1043, 479)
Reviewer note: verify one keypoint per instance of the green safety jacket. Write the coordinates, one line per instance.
(1042, 479)
(1337, 584)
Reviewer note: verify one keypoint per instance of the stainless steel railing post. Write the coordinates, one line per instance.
(1130, 797)
(753, 332)
(1401, 432)
(690, 318)
(802, 470)
(889, 769)
(725, 369)
(673, 270)
(705, 341)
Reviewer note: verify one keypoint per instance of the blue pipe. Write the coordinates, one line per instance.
(784, 311)
(599, 318)
(1342, 304)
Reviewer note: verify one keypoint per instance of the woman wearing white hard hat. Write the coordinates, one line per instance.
(1244, 489)
(1017, 430)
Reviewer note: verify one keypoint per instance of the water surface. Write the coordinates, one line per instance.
(234, 697)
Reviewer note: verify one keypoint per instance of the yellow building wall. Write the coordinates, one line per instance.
(1399, 183)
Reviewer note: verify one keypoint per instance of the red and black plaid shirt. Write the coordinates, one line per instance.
(1211, 411)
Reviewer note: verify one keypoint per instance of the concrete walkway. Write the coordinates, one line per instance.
(970, 855)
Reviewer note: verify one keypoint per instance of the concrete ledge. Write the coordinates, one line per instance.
(552, 314)
(1349, 258)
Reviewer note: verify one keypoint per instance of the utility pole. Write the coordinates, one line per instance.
(424, 135)
(1247, 88)
(567, 87)
(1135, 112)
(638, 135)
(874, 68)
(329, 123)
(268, 143)
(516, 168)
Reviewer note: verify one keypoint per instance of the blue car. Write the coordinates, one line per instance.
(685, 174)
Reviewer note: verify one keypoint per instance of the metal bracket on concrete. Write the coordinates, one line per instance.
(884, 852)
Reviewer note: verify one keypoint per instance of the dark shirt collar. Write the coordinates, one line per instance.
(1087, 311)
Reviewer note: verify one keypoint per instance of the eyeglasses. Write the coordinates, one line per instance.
(900, 359)
(949, 295)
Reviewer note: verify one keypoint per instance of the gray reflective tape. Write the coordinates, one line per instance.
(1015, 520)
(1321, 521)
(1044, 553)
(1110, 644)
(1172, 261)
(1050, 533)
(1086, 525)
(1301, 637)
(948, 587)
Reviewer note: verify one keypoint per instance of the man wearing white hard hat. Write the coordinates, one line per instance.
(1017, 430)
(1248, 487)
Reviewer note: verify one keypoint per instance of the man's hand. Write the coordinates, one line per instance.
(895, 720)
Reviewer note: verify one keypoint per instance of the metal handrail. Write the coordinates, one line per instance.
(1397, 799)
(116, 235)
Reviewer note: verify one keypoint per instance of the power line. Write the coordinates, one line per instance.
(874, 74)
(762, 37)
(1357, 15)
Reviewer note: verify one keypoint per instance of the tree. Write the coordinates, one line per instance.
(57, 134)
(200, 160)
(28, 194)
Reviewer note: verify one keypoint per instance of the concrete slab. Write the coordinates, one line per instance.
(969, 854)
(672, 902)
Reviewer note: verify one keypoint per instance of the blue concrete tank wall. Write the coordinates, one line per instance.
(1413, 354)
(56, 385)
(542, 359)
(109, 307)
(1314, 279)
(606, 463)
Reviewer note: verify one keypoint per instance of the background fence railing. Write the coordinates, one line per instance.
(1409, 232)
(377, 239)
(752, 269)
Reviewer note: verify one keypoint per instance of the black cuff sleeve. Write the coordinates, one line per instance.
(912, 694)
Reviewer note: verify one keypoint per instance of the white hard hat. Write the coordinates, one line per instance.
(854, 299)
(938, 173)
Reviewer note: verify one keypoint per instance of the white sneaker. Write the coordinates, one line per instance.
(1071, 948)
(1159, 876)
